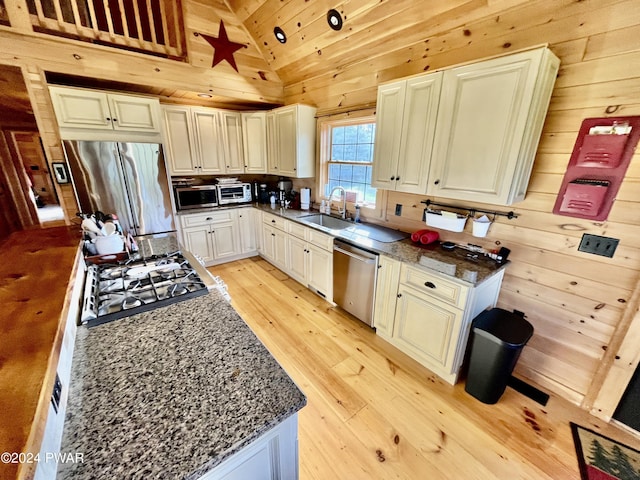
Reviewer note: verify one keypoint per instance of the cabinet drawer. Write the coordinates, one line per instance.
(319, 239)
(274, 221)
(434, 285)
(204, 218)
(296, 229)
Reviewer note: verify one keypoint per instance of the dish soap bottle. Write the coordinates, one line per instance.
(357, 219)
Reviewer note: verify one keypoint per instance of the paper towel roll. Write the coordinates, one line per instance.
(305, 198)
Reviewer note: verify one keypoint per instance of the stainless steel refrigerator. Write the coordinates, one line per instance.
(128, 179)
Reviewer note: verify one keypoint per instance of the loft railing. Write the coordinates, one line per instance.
(152, 26)
(4, 17)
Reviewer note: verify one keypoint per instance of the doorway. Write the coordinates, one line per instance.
(27, 148)
(29, 196)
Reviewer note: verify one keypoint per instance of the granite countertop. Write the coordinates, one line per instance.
(171, 393)
(453, 264)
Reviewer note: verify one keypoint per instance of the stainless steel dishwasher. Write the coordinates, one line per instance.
(354, 280)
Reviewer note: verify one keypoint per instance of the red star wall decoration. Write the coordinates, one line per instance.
(223, 47)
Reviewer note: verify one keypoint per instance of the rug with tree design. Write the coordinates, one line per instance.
(601, 458)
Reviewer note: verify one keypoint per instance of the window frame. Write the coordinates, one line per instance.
(325, 125)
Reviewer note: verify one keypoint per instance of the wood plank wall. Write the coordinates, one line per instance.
(574, 300)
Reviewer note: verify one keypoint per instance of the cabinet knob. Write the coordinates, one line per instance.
(399, 295)
(273, 221)
(392, 178)
(430, 284)
(379, 266)
(436, 182)
(115, 119)
(108, 119)
(397, 178)
(209, 218)
(273, 234)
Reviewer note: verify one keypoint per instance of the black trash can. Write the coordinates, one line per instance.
(497, 341)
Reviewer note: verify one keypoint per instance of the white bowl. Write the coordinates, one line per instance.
(109, 244)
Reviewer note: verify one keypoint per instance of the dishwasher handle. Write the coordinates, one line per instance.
(366, 260)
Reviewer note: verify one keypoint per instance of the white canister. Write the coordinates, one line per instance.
(481, 226)
(305, 198)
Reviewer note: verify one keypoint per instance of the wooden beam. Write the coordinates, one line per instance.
(97, 61)
(619, 363)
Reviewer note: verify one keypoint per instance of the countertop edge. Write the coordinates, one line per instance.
(36, 433)
(293, 215)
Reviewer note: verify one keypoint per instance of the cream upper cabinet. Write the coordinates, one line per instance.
(489, 123)
(405, 129)
(207, 137)
(203, 141)
(233, 152)
(291, 137)
(81, 109)
(179, 142)
(254, 136)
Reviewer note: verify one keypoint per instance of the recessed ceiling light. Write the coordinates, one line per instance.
(334, 19)
(205, 95)
(280, 36)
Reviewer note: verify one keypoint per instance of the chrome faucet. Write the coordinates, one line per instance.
(343, 211)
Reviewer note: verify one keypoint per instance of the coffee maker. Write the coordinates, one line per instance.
(284, 190)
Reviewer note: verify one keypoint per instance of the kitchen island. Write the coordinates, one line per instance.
(172, 393)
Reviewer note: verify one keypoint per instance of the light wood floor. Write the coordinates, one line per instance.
(374, 413)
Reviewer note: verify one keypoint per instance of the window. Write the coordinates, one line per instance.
(348, 158)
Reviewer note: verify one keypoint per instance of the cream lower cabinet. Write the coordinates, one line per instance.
(301, 252)
(428, 315)
(424, 327)
(217, 236)
(384, 309)
(246, 227)
(310, 258)
(273, 456)
(274, 240)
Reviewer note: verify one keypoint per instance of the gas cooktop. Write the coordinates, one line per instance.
(114, 291)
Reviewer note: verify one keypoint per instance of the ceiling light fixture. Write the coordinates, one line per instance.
(205, 95)
(280, 36)
(334, 19)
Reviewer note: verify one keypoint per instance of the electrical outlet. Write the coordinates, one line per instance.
(598, 245)
(398, 209)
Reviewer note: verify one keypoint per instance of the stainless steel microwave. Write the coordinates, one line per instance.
(200, 196)
(234, 193)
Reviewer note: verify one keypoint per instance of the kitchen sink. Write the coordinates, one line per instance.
(349, 229)
(332, 223)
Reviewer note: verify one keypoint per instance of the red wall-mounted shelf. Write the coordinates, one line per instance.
(597, 167)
